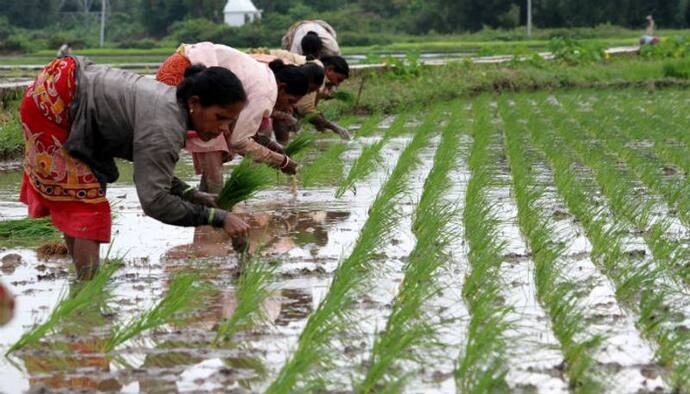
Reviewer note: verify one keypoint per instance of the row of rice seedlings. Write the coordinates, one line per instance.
(410, 328)
(639, 286)
(246, 180)
(617, 185)
(27, 232)
(638, 118)
(315, 347)
(182, 295)
(670, 114)
(369, 126)
(370, 158)
(559, 297)
(252, 289)
(606, 128)
(482, 365)
(72, 302)
(327, 169)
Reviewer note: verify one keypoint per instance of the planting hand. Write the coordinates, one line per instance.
(235, 227)
(289, 166)
(206, 199)
(342, 132)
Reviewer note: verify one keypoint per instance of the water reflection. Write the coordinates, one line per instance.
(272, 233)
(73, 358)
(7, 305)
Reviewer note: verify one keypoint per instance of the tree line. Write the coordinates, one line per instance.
(135, 20)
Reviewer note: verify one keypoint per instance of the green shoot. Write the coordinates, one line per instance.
(246, 180)
(21, 232)
(252, 291)
(298, 144)
(182, 295)
(85, 295)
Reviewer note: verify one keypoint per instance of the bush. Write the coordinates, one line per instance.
(145, 43)
(574, 52)
(677, 69)
(20, 43)
(674, 48)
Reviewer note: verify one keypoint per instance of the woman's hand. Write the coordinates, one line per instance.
(235, 227)
(289, 166)
(206, 199)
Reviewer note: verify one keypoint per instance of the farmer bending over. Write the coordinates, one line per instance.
(271, 87)
(78, 117)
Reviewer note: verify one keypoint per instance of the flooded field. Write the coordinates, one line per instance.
(528, 243)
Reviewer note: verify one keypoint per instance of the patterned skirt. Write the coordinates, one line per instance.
(54, 183)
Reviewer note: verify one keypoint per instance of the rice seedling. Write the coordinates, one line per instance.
(369, 126)
(481, 366)
(298, 144)
(182, 295)
(252, 290)
(632, 278)
(27, 232)
(617, 185)
(410, 329)
(82, 296)
(246, 180)
(370, 158)
(315, 347)
(344, 96)
(327, 169)
(559, 297)
(645, 166)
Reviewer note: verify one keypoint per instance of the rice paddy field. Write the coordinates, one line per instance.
(515, 243)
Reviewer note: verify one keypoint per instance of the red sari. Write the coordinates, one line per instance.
(56, 184)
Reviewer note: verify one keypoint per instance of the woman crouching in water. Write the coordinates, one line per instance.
(78, 117)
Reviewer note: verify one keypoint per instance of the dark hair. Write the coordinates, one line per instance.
(213, 86)
(314, 73)
(311, 45)
(292, 76)
(338, 63)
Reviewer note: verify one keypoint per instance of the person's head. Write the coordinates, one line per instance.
(293, 83)
(337, 70)
(315, 74)
(311, 45)
(214, 98)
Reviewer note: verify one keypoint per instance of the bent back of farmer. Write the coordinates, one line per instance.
(292, 40)
(78, 117)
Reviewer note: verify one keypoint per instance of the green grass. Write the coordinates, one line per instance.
(11, 132)
(27, 232)
(182, 295)
(71, 303)
(315, 347)
(246, 179)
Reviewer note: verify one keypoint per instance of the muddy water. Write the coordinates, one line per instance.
(308, 233)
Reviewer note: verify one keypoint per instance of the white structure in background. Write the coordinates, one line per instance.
(239, 12)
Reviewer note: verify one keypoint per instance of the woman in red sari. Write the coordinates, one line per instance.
(78, 117)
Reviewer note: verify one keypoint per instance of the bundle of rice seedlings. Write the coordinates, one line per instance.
(182, 295)
(89, 293)
(298, 144)
(246, 180)
(344, 96)
(27, 231)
